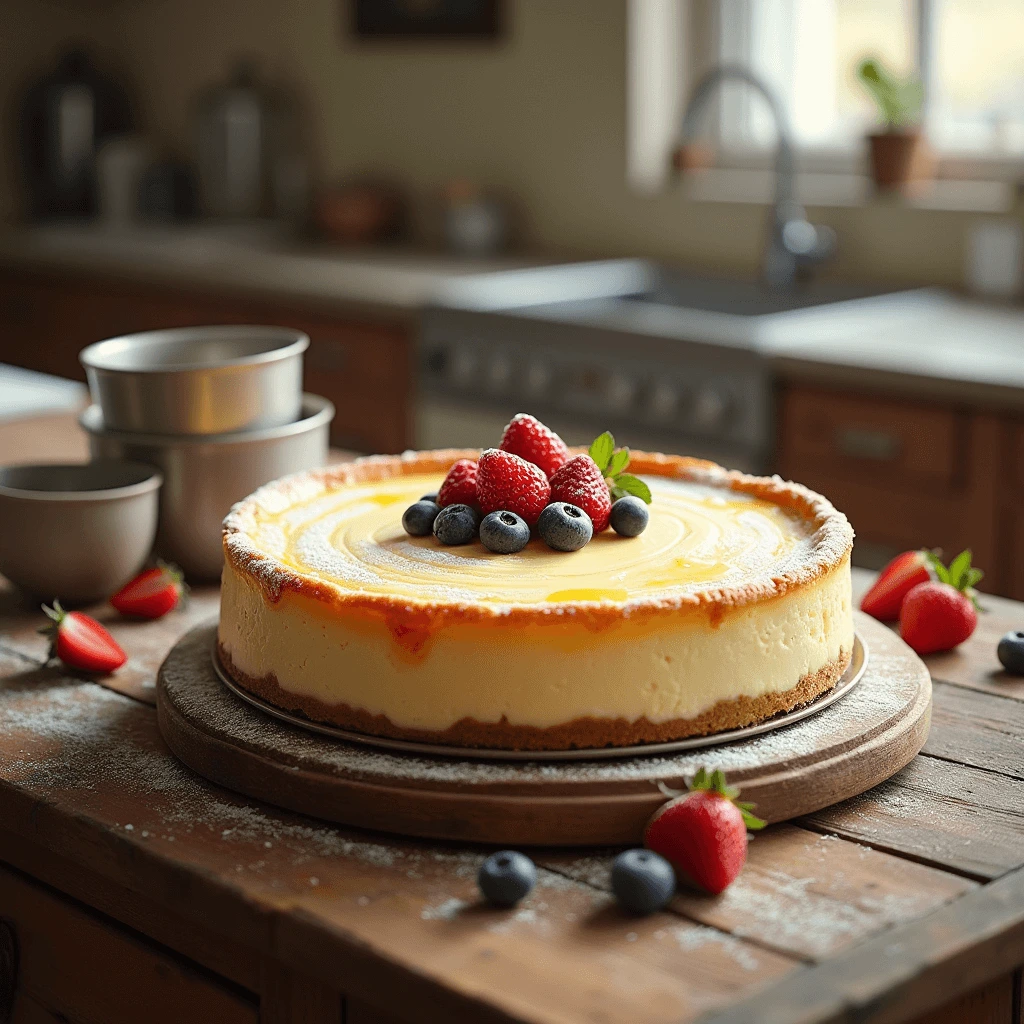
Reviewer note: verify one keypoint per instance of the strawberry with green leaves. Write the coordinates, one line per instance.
(81, 642)
(703, 833)
(939, 614)
(590, 482)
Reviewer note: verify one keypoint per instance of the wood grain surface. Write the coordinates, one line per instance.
(881, 909)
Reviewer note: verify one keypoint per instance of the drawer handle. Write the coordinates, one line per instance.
(868, 444)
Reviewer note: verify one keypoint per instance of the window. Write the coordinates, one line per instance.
(968, 53)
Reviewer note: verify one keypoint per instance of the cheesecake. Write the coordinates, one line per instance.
(732, 606)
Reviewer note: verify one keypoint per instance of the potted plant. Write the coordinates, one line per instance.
(899, 153)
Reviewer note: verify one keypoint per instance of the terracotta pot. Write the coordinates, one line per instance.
(360, 213)
(899, 159)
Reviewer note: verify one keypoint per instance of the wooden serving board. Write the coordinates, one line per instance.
(843, 750)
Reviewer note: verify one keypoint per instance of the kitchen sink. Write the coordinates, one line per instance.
(739, 297)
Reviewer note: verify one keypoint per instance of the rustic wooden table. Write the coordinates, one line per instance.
(132, 889)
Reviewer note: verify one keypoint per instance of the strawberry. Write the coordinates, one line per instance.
(942, 613)
(151, 594)
(81, 642)
(528, 438)
(580, 482)
(894, 582)
(704, 833)
(459, 487)
(507, 483)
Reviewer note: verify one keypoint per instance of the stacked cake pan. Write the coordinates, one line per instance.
(218, 410)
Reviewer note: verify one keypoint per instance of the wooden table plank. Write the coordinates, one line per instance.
(947, 815)
(905, 972)
(804, 894)
(84, 772)
(977, 729)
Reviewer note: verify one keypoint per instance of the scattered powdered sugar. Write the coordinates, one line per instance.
(446, 911)
(697, 937)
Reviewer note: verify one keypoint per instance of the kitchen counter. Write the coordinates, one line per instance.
(250, 260)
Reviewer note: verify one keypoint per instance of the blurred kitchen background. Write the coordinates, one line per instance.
(477, 207)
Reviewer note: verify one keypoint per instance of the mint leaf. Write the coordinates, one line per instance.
(620, 460)
(601, 450)
(630, 484)
(958, 568)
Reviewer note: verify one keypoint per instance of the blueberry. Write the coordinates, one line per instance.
(506, 877)
(630, 516)
(429, 497)
(504, 533)
(642, 880)
(1011, 652)
(456, 524)
(564, 527)
(418, 518)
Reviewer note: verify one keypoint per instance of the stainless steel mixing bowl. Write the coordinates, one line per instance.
(198, 380)
(205, 476)
(76, 532)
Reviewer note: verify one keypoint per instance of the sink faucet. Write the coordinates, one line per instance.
(794, 243)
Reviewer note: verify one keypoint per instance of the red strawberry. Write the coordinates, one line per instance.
(81, 642)
(531, 440)
(153, 593)
(459, 487)
(704, 834)
(505, 482)
(581, 483)
(894, 582)
(940, 614)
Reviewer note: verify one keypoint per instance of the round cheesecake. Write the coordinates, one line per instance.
(734, 605)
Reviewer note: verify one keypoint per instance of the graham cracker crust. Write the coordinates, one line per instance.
(580, 734)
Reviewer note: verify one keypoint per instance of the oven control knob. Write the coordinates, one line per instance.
(538, 378)
(710, 410)
(663, 401)
(619, 392)
(463, 366)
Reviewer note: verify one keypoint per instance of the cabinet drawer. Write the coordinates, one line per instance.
(859, 437)
(85, 969)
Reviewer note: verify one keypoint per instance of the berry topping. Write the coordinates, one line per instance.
(1011, 652)
(704, 833)
(506, 877)
(459, 487)
(629, 517)
(81, 642)
(507, 483)
(894, 582)
(531, 440)
(456, 524)
(429, 497)
(564, 527)
(418, 518)
(642, 881)
(151, 594)
(942, 613)
(581, 483)
(504, 533)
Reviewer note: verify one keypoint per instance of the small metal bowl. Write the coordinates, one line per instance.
(198, 380)
(205, 476)
(76, 532)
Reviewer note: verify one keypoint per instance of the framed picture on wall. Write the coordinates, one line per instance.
(427, 19)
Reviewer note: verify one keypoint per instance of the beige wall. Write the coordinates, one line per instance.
(540, 115)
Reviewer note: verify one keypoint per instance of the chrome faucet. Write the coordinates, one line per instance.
(794, 243)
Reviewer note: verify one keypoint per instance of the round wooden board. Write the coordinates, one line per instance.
(844, 750)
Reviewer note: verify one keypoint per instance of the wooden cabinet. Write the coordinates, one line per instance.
(363, 367)
(907, 473)
(59, 948)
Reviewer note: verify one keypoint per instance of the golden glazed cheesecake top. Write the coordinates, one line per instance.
(713, 536)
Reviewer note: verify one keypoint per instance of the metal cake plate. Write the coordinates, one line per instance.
(849, 679)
